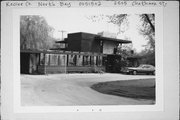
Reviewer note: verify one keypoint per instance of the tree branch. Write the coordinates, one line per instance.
(149, 21)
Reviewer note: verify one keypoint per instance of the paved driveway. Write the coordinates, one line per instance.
(72, 89)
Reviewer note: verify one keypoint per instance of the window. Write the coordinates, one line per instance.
(47, 59)
(86, 60)
(79, 61)
(53, 59)
(42, 59)
(71, 60)
(99, 60)
(93, 60)
(62, 59)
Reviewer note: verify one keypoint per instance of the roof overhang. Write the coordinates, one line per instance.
(112, 39)
(61, 42)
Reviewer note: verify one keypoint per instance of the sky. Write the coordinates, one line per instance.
(75, 20)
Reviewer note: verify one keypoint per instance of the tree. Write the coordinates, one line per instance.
(35, 33)
(148, 31)
(117, 19)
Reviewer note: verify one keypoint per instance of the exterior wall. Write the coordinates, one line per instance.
(108, 47)
(74, 63)
(89, 44)
(74, 42)
(85, 42)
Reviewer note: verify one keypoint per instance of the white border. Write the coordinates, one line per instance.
(158, 11)
(170, 74)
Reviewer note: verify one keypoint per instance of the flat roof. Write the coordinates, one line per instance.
(99, 37)
(62, 41)
(112, 39)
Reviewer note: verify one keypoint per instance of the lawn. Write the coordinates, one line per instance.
(138, 89)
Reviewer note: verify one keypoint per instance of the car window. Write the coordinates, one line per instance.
(146, 66)
(141, 66)
(150, 67)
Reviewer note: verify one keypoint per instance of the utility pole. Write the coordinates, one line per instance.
(62, 31)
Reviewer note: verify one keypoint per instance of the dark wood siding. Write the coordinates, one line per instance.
(89, 44)
(74, 42)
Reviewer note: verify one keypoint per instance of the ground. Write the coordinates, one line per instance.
(138, 89)
(74, 89)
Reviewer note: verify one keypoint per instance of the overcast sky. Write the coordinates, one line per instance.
(75, 20)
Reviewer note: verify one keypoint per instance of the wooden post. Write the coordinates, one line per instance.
(65, 62)
(44, 63)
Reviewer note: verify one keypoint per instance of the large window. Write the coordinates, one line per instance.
(62, 58)
(93, 60)
(71, 60)
(99, 60)
(79, 61)
(47, 59)
(86, 60)
(53, 59)
(42, 59)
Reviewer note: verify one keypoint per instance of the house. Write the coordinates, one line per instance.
(87, 42)
(83, 52)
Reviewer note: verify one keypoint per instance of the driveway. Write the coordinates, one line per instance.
(73, 89)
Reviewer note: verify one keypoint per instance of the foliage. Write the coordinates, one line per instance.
(148, 31)
(147, 57)
(125, 50)
(35, 33)
(118, 19)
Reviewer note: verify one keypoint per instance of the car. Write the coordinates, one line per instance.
(143, 68)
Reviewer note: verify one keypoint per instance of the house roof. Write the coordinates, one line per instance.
(62, 41)
(112, 39)
(99, 37)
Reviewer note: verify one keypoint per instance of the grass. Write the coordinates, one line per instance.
(139, 89)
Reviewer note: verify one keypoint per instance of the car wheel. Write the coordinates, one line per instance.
(134, 72)
(153, 73)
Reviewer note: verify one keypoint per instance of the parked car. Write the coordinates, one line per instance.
(143, 68)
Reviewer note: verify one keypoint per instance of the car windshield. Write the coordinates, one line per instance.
(141, 66)
(146, 66)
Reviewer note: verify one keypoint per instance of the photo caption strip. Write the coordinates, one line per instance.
(69, 4)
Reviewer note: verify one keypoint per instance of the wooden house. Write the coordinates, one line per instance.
(83, 52)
